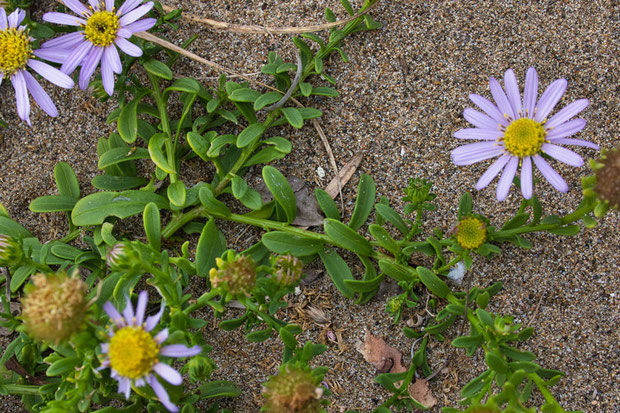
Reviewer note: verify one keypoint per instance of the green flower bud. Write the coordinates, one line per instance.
(11, 252)
(417, 193)
(287, 269)
(199, 367)
(293, 390)
(54, 307)
(235, 274)
(394, 304)
(124, 257)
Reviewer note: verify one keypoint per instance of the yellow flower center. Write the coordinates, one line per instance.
(471, 233)
(15, 50)
(101, 28)
(133, 352)
(524, 137)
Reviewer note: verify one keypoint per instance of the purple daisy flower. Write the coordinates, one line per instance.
(133, 352)
(519, 131)
(102, 30)
(16, 54)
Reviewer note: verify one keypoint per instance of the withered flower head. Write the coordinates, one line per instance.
(293, 390)
(287, 269)
(235, 274)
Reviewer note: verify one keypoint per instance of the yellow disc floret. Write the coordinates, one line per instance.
(133, 352)
(524, 137)
(15, 50)
(471, 233)
(101, 28)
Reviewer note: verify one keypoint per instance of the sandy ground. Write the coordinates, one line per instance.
(402, 97)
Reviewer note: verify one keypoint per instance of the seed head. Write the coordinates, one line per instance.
(293, 390)
(235, 274)
(54, 306)
(287, 269)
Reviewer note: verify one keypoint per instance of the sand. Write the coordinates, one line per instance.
(402, 95)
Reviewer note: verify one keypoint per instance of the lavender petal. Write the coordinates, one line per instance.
(113, 313)
(567, 113)
(51, 74)
(576, 142)
(65, 41)
(109, 5)
(128, 6)
(76, 57)
(105, 347)
(512, 91)
(562, 154)
(89, 65)
(480, 120)
(179, 350)
(161, 394)
(475, 133)
(40, 96)
(505, 181)
(128, 47)
(530, 92)
(143, 299)
(21, 96)
(161, 336)
(135, 14)
(1, 77)
(489, 108)
(94, 4)
(63, 18)
(527, 184)
(152, 321)
(566, 129)
(141, 25)
(53, 55)
(124, 386)
(550, 174)
(500, 98)
(16, 18)
(4, 23)
(112, 59)
(492, 172)
(549, 99)
(124, 33)
(475, 152)
(107, 76)
(128, 313)
(76, 7)
(168, 373)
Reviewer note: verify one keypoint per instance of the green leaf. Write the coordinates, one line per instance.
(95, 208)
(433, 283)
(392, 217)
(288, 338)
(211, 245)
(65, 251)
(346, 238)
(318, 65)
(475, 385)
(465, 205)
(248, 196)
(249, 135)
(156, 143)
(244, 94)
(66, 180)
(327, 204)
(484, 317)
(396, 271)
(20, 275)
(12, 228)
(117, 155)
(259, 335)
(348, 7)
(305, 88)
(283, 243)
(516, 222)
(200, 144)
(152, 225)
(568, 230)
(496, 363)
(325, 91)
(118, 183)
(128, 120)
(157, 68)
(293, 116)
(264, 156)
(218, 144)
(279, 143)
(384, 239)
(516, 354)
(176, 194)
(218, 388)
(52, 203)
(281, 190)
(62, 366)
(363, 286)
(338, 270)
(364, 203)
(468, 341)
(184, 85)
(211, 203)
(310, 113)
(267, 99)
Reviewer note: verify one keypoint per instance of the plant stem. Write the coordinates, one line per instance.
(165, 124)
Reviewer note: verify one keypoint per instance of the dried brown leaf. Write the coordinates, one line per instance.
(345, 175)
(420, 391)
(377, 352)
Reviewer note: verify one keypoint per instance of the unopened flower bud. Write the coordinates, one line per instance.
(293, 389)
(11, 252)
(287, 269)
(235, 274)
(394, 304)
(124, 257)
(199, 367)
(54, 306)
